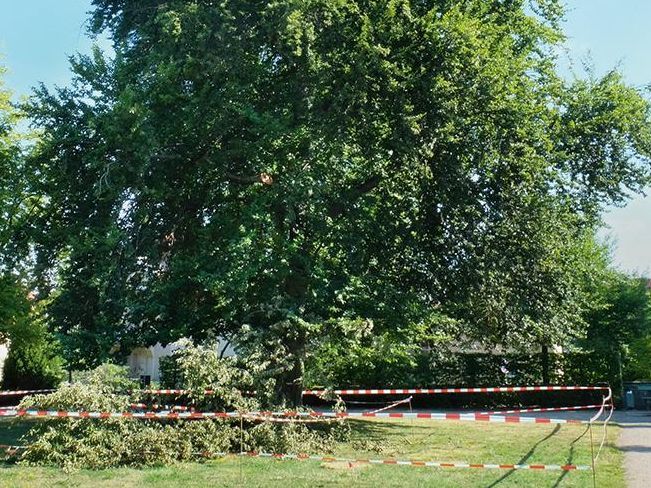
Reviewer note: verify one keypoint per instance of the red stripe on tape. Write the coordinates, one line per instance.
(436, 391)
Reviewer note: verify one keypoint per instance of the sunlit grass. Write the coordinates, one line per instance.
(402, 439)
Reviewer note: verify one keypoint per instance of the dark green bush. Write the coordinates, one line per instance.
(31, 366)
(33, 361)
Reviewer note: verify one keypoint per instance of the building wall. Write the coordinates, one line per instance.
(141, 361)
(145, 361)
(4, 350)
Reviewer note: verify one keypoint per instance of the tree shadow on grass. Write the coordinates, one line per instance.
(570, 457)
(372, 429)
(11, 430)
(635, 448)
(524, 458)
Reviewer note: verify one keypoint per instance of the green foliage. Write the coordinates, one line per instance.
(12, 200)
(288, 164)
(638, 366)
(114, 443)
(618, 326)
(34, 359)
(104, 389)
(354, 354)
(14, 307)
(32, 365)
(107, 378)
(622, 313)
(107, 443)
(199, 368)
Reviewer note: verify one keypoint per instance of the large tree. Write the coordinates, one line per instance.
(279, 164)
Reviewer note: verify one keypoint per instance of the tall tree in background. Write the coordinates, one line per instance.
(282, 164)
(32, 361)
(12, 299)
(14, 201)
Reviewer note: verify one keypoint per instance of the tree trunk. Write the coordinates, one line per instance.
(295, 384)
(289, 386)
(619, 387)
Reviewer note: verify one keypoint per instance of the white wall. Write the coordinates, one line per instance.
(146, 361)
(4, 350)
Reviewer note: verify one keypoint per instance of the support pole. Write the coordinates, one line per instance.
(242, 449)
(594, 473)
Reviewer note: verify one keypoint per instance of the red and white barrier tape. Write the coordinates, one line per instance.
(394, 462)
(23, 392)
(11, 450)
(438, 391)
(172, 392)
(604, 403)
(543, 409)
(393, 405)
(464, 417)
(266, 418)
(145, 406)
(430, 464)
(607, 402)
(372, 391)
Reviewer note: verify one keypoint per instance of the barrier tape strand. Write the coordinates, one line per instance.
(543, 409)
(23, 392)
(467, 417)
(367, 391)
(436, 391)
(416, 463)
(11, 450)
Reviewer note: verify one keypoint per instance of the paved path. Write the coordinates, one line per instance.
(635, 441)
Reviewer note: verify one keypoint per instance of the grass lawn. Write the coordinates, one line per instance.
(405, 439)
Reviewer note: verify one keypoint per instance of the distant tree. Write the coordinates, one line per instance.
(33, 360)
(638, 366)
(14, 201)
(619, 321)
(14, 307)
(285, 164)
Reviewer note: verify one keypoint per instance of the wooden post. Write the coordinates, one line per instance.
(594, 473)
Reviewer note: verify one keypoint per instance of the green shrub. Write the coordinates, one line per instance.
(199, 368)
(109, 378)
(33, 361)
(638, 365)
(106, 443)
(31, 366)
(104, 389)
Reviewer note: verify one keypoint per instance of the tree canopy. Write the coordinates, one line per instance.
(294, 162)
(14, 202)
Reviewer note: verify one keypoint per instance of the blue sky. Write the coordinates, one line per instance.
(37, 36)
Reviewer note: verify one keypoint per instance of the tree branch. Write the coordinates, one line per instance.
(339, 207)
(264, 178)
